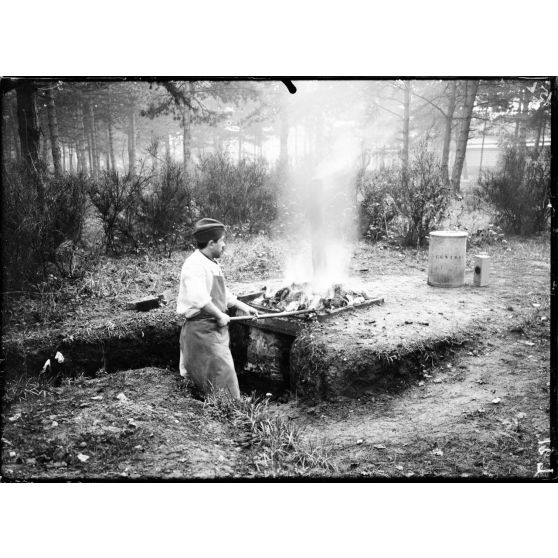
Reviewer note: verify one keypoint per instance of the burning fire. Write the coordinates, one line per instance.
(300, 296)
(322, 219)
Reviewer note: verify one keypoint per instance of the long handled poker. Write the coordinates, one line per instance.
(274, 315)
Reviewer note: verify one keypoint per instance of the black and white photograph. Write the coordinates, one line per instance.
(272, 278)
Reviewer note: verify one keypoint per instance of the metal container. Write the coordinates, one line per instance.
(482, 270)
(446, 258)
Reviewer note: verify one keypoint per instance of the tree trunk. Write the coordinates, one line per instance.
(82, 142)
(112, 156)
(90, 151)
(70, 158)
(54, 136)
(88, 139)
(524, 118)
(28, 123)
(29, 135)
(463, 137)
(167, 148)
(14, 126)
(155, 143)
(132, 140)
(93, 133)
(217, 141)
(541, 123)
(110, 134)
(516, 131)
(406, 123)
(447, 134)
(186, 138)
(482, 144)
(7, 143)
(43, 147)
(284, 141)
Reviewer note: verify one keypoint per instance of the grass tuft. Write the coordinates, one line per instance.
(284, 451)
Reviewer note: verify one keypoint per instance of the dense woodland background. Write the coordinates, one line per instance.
(122, 166)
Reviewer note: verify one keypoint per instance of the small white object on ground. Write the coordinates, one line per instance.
(121, 397)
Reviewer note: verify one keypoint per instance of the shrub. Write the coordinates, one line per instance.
(117, 199)
(519, 191)
(235, 193)
(67, 202)
(34, 234)
(421, 195)
(417, 194)
(376, 208)
(488, 236)
(165, 215)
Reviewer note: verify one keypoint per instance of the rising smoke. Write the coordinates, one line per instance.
(319, 197)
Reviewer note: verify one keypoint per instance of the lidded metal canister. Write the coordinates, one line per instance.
(482, 270)
(446, 258)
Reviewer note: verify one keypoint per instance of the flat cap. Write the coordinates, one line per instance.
(206, 228)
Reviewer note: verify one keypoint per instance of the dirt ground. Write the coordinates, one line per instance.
(137, 424)
(481, 412)
(417, 318)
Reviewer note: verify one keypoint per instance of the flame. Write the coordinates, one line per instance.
(301, 296)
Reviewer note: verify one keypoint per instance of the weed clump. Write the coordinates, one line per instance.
(283, 450)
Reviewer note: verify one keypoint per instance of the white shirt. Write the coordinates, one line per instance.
(196, 279)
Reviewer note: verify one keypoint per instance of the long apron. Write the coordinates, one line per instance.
(205, 356)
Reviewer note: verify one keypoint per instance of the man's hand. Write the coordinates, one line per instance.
(223, 320)
(253, 312)
(247, 309)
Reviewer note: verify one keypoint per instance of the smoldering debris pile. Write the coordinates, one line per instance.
(299, 296)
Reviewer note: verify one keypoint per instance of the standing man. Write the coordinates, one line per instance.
(203, 299)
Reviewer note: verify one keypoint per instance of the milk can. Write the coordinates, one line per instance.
(446, 258)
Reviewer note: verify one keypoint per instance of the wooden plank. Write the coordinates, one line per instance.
(278, 325)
